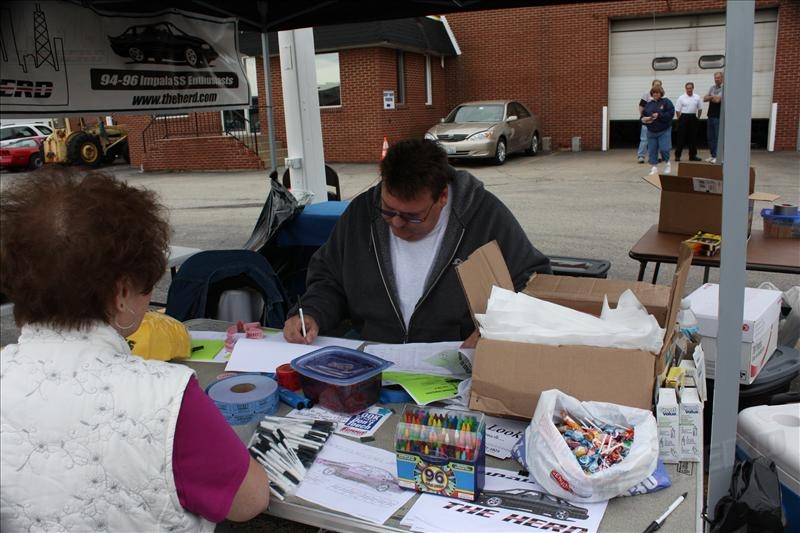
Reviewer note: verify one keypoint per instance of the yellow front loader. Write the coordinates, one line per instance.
(93, 145)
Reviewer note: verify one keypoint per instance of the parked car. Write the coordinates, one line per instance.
(22, 154)
(372, 476)
(160, 41)
(489, 129)
(533, 501)
(14, 132)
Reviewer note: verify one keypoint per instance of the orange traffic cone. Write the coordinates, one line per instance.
(385, 148)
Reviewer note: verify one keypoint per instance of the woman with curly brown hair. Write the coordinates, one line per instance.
(94, 437)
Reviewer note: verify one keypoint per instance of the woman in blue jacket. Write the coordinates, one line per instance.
(657, 116)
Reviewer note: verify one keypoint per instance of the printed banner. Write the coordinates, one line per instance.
(61, 59)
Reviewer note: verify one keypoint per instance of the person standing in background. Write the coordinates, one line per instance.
(657, 116)
(643, 132)
(714, 99)
(688, 109)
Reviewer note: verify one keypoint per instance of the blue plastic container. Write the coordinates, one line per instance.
(780, 226)
(341, 379)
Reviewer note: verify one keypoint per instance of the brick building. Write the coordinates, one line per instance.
(555, 59)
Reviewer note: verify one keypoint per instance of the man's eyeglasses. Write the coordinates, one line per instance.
(408, 217)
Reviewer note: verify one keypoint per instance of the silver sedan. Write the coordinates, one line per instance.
(488, 129)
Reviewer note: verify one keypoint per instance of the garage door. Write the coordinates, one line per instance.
(682, 48)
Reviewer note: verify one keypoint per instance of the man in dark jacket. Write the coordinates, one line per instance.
(389, 265)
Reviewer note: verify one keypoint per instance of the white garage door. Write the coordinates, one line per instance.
(694, 45)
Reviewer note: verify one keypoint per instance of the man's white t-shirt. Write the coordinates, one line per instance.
(412, 260)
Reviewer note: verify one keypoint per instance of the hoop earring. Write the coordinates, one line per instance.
(121, 327)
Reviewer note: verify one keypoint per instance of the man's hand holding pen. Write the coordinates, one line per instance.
(293, 329)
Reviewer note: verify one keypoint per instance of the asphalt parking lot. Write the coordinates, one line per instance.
(576, 204)
(581, 204)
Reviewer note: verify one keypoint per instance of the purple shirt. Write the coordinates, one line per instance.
(209, 461)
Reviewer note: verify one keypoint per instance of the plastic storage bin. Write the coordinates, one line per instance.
(340, 379)
(773, 431)
(576, 266)
(775, 378)
(780, 226)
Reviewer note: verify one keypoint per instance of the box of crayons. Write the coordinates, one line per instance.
(441, 451)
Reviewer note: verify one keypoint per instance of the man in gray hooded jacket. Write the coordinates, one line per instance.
(389, 264)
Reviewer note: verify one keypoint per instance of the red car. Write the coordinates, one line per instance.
(22, 154)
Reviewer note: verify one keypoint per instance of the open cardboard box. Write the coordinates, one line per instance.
(586, 294)
(508, 377)
(691, 201)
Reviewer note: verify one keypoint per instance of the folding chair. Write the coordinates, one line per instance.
(243, 278)
(331, 180)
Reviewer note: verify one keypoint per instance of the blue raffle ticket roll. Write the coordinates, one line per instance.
(244, 398)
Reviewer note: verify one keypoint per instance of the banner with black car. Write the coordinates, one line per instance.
(61, 58)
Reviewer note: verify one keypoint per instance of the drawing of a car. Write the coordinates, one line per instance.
(533, 501)
(162, 41)
(372, 476)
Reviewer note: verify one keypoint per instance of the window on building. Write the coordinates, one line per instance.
(665, 63)
(428, 82)
(401, 77)
(328, 81)
(716, 61)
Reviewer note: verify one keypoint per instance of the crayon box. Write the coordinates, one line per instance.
(441, 451)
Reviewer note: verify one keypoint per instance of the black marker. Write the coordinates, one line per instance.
(656, 524)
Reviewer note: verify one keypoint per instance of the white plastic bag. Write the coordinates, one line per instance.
(556, 468)
(789, 328)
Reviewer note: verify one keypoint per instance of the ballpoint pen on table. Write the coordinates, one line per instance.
(656, 524)
(302, 319)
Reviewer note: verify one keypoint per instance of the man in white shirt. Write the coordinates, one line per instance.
(688, 109)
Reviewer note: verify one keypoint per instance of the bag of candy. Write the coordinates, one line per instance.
(589, 451)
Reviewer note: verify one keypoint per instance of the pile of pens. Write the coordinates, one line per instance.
(286, 447)
(596, 445)
(438, 434)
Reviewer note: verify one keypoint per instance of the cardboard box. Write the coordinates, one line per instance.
(586, 294)
(690, 425)
(508, 377)
(691, 200)
(668, 423)
(762, 310)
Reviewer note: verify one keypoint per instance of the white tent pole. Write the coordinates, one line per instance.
(737, 96)
(301, 105)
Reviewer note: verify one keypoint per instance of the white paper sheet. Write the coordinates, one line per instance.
(437, 514)
(323, 341)
(355, 479)
(436, 358)
(261, 355)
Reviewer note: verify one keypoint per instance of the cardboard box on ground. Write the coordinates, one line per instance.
(691, 200)
(508, 377)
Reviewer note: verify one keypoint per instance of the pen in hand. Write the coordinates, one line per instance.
(302, 318)
(656, 524)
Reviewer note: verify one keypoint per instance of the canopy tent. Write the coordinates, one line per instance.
(278, 15)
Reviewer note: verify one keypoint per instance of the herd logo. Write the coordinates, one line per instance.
(26, 88)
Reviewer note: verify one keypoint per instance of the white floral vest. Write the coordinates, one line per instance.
(87, 434)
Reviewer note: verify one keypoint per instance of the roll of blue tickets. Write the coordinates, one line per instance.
(244, 398)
